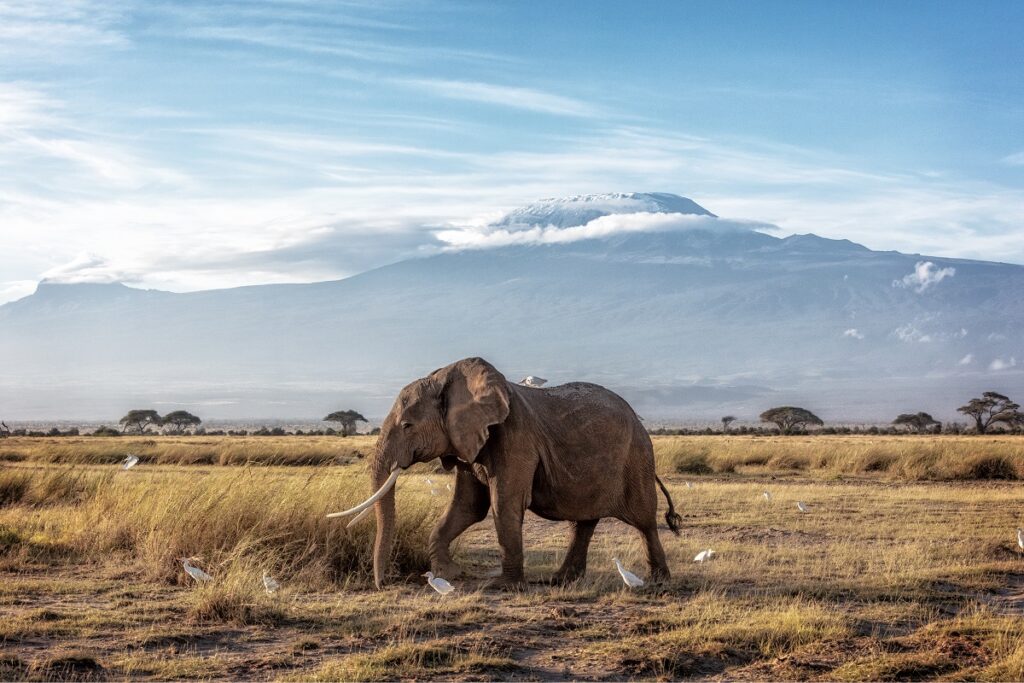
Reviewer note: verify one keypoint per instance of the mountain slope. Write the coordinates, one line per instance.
(687, 323)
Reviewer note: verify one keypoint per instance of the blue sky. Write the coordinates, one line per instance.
(195, 145)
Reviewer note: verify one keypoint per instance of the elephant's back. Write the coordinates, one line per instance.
(584, 403)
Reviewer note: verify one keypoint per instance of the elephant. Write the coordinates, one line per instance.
(575, 452)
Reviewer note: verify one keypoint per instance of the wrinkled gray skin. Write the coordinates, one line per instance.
(575, 452)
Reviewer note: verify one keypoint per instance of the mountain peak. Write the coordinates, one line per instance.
(567, 212)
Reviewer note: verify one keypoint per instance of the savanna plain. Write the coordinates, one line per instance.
(905, 566)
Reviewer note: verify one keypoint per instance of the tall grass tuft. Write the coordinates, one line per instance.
(273, 518)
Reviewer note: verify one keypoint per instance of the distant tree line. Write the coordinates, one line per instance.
(990, 413)
(182, 422)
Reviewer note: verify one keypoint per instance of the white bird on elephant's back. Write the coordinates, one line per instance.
(628, 577)
(439, 584)
(531, 381)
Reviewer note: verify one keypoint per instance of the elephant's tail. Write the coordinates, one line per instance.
(673, 519)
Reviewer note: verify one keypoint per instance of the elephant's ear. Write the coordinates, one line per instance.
(475, 397)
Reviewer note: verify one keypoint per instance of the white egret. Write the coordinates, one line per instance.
(767, 495)
(439, 584)
(704, 555)
(531, 381)
(430, 482)
(129, 462)
(800, 506)
(433, 492)
(689, 485)
(270, 583)
(193, 571)
(628, 577)
(1020, 539)
(448, 486)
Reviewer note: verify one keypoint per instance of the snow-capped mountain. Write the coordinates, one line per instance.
(567, 212)
(691, 317)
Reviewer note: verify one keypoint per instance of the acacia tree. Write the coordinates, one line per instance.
(139, 420)
(991, 409)
(180, 420)
(5, 431)
(347, 419)
(726, 421)
(788, 418)
(916, 422)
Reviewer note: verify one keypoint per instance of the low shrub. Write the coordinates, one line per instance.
(987, 467)
(693, 463)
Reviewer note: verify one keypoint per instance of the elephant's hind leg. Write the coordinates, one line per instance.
(655, 554)
(575, 564)
(470, 503)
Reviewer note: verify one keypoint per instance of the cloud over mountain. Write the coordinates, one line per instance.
(926, 274)
(583, 217)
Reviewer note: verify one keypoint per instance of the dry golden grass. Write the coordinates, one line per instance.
(190, 450)
(886, 577)
(908, 458)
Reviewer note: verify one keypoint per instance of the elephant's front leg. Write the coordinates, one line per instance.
(468, 506)
(509, 507)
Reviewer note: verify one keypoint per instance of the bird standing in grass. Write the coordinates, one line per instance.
(800, 506)
(767, 496)
(704, 555)
(1020, 539)
(439, 584)
(129, 462)
(270, 583)
(195, 572)
(628, 577)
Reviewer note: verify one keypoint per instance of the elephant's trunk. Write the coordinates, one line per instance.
(385, 509)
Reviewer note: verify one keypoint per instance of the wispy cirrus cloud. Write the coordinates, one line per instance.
(87, 268)
(50, 31)
(1016, 159)
(529, 99)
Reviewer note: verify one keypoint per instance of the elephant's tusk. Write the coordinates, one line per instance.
(359, 517)
(371, 500)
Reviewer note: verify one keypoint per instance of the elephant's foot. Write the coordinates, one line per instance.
(566, 576)
(659, 575)
(447, 569)
(506, 583)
